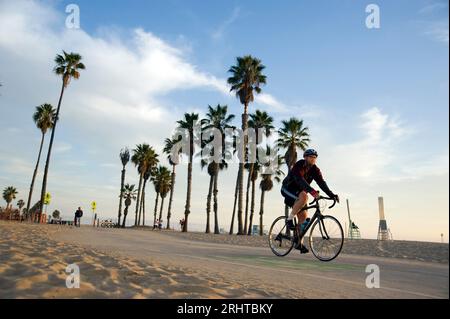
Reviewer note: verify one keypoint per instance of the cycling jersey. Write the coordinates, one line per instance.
(300, 177)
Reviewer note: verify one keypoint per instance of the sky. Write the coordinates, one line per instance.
(375, 100)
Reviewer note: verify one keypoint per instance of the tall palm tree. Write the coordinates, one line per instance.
(292, 135)
(188, 123)
(259, 120)
(67, 66)
(271, 169)
(129, 194)
(155, 182)
(254, 177)
(124, 158)
(216, 118)
(147, 175)
(173, 155)
(144, 157)
(44, 118)
(246, 78)
(210, 169)
(9, 194)
(236, 190)
(164, 179)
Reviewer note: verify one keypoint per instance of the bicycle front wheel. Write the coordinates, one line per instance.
(326, 238)
(281, 240)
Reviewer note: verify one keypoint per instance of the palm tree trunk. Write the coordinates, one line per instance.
(169, 211)
(142, 201)
(161, 210)
(250, 175)
(216, 217)
(189, 183)
(47, 162)
(241, 170)
(122, 182)
(236, 189)
(247, 198)
(138, 200)
(156, 208)
(252, 209)
(208, 204)
(125, 213)
(143, 210)
(261, 213)
(35, 173)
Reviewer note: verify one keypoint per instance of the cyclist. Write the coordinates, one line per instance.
(296, 186)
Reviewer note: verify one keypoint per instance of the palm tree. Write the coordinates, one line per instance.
(236, 190)
(147, 175)
(271, 169)
(292, 135)
(173, 152)
(253, 179)
(210, 169)
(164, 179)
(188, 123)
(246, 77)
(155, 182)
(124, 158)
(129, 194)
(259, 120)
(44, 118)
(144, 157)
(9, 194)
(216, 118)
(67, 67)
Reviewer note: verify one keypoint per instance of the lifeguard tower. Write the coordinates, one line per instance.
(384, 233)
(353, 230)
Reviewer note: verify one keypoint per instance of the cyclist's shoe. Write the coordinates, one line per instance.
(302, 248)
(290, 224)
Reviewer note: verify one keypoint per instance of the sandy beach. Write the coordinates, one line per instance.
(131, 263)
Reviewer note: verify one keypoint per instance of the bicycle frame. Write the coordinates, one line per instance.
(317, 215)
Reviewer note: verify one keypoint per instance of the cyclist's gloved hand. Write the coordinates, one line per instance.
(336, 197)
(314, 193)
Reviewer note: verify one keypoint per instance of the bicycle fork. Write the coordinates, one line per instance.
(322, 229)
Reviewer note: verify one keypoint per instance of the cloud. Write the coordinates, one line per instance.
(380, 153)
(436, 24)
(219, 32)
(433, 7)
(61, 147)
(438, 31)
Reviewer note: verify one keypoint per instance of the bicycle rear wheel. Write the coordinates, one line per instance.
(326, 238)
(281, 241)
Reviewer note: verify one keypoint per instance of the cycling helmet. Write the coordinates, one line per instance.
(310, 152)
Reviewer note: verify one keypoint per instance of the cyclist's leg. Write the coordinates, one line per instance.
(298, 205)
(301, 215)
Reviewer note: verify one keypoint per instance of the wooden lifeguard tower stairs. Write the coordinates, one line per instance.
(353, 230)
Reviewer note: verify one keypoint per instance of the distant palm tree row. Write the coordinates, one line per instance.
(45, 117)
(245, 80)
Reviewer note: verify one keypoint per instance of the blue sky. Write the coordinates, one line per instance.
(375, 100)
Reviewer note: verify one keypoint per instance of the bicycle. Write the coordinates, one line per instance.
(326, 236)
(107, 224)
